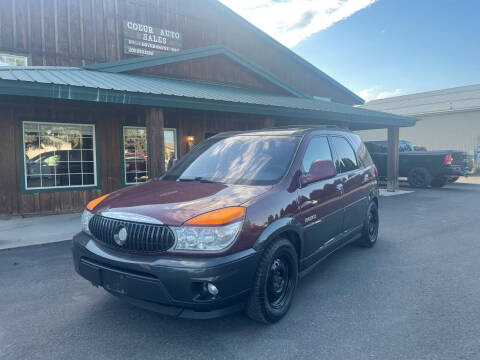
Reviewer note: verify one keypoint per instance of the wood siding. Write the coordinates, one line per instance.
(108, 120)
(216, 69)
(74, 33)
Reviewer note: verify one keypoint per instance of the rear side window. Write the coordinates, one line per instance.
(346, 159)
(364, 155)
(318, 149)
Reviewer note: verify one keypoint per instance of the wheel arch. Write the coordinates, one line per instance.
(288, 228)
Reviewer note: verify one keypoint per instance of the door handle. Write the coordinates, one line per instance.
(339, 189)
(366, 178)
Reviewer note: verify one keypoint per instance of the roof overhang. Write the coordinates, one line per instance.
(75, 84)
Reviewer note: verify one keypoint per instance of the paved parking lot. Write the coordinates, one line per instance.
(416, 295)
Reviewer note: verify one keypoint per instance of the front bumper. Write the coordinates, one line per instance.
(173, 285)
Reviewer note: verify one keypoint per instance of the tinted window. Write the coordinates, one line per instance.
(318, 149)
(252, 160)
(346, 160)
(364, 155)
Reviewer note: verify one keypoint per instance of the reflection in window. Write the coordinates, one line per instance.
(135, 154)
(318, 149)
(59, 155)
(250, 160)
(170, 142)
(13, 60)
(346, 159)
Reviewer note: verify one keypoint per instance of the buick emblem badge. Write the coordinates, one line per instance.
(121, 237)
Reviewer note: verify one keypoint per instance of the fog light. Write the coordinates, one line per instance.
(212, 289)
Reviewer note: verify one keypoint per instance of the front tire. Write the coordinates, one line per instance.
(275, 283)
(370, 227)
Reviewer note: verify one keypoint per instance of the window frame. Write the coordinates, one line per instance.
(122, 149)
(23, 170)
(332, 146)
(27, 58)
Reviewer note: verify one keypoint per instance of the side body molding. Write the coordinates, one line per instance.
(277, 227)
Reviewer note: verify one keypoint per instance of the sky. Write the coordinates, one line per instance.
(377, 48)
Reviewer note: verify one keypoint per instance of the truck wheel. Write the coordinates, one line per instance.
(275, 283)
(438, 182)
(419, 177)
(370, 227)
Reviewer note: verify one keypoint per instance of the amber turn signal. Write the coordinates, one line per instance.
(92, 204)
(218, 217)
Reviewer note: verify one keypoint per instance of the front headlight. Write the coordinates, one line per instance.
(206, 238)
(86, 216)
(212, 231)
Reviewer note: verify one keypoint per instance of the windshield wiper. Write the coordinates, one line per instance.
(199, 179)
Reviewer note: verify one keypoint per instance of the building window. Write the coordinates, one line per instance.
(170, 142)
(13, 60)
(135, 153)
(58, 155)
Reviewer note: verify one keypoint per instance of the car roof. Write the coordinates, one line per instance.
(284, 131)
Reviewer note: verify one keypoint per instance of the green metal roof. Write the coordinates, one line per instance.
(69, 83)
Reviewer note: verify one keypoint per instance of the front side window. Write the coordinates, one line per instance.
(243, 159)
(13, 60)
(346, 159)
(318, 149)
(58, 155)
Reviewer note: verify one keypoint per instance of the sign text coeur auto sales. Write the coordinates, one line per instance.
(142, 39)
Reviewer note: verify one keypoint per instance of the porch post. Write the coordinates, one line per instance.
(155, 142)
(392, 159)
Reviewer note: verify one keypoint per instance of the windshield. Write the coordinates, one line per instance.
(249, 160)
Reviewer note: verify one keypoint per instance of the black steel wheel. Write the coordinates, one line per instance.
(275, 282)
(371, 225)
(419, 177)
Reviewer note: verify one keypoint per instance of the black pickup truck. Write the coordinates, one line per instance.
(422, 168)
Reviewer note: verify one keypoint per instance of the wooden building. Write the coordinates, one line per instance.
(100, 94)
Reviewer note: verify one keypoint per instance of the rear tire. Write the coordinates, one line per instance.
(370, 227)
(419, 177)
(275, 283)
(439, 182)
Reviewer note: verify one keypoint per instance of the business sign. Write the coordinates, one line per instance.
(143, 40)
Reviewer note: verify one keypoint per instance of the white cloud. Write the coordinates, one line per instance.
(378, 92)
(291, 21)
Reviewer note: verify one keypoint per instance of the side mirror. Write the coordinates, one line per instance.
(319, 170)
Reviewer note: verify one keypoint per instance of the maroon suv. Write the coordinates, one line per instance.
(234, 224)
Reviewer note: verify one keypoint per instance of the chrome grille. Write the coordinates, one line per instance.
(144, 238)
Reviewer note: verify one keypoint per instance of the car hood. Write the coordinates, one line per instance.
(173, 202)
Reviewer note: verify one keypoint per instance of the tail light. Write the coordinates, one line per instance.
(447, 160)
(376, 171)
